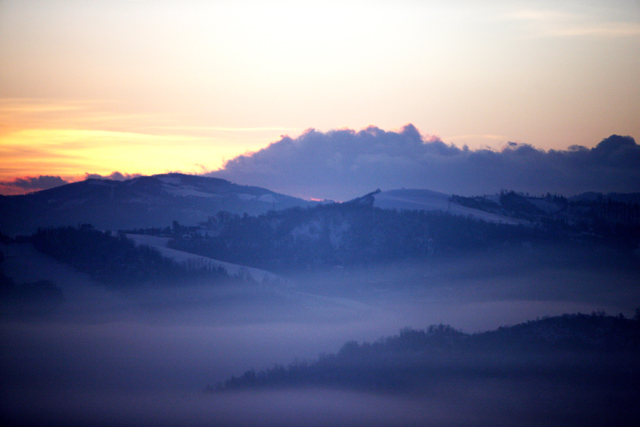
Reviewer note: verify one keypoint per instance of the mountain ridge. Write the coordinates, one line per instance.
(141, 202)
(157, 201)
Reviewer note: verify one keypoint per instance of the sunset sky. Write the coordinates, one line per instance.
(145, 87)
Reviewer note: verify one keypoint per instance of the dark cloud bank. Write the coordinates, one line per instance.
(343, 164)
(115, 176)
(29, 184)
(44, 182)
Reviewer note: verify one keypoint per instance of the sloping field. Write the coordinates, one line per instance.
(433, 201)
(197, 261)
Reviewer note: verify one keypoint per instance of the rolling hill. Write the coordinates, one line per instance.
(143, 202)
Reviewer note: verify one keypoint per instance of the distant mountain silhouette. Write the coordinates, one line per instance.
(147, 201)
(157, 201)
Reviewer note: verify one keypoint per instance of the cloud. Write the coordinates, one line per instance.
(44, 182)
(29, 184)
(114, 176)
(342, 164)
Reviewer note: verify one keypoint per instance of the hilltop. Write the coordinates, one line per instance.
(146, 201)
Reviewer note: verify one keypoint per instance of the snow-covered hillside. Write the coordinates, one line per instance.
(142, 202)
(433, 201)
(197, 261)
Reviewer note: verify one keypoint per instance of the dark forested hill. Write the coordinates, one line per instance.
(591, 349)
(613, 216)
(115, 260)
(357, 233)
(346, 234)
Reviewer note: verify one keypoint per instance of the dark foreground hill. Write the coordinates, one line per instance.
(570, 370)
(143, 202)
(592, 350)
(359, 233)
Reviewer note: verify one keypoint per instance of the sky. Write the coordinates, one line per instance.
(145, 87)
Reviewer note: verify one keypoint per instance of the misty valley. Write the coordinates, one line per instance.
(277, 213)
(183, 300)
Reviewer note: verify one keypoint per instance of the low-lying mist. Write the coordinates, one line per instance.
(144, 356)
(462, 403)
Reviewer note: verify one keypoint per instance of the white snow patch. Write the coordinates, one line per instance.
(485, 216)
(198, 261)
(267, 198)
(185, 191)
(242, 196)
(412, 199)
(432, 201)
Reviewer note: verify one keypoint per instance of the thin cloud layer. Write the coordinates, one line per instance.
(114, 176)
(29, 184)
(343, 164)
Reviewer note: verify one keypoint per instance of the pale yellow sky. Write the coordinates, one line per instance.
(153, 86)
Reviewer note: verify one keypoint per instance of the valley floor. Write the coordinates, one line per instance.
(143, 357)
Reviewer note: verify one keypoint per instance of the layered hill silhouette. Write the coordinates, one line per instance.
(160, 201)
(143, 202)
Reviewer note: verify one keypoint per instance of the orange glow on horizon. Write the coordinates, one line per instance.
(69, 152)
(148, 86)
(72, 138)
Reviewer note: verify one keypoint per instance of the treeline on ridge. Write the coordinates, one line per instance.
(346, 234)
(592, 348)
(614, 221)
